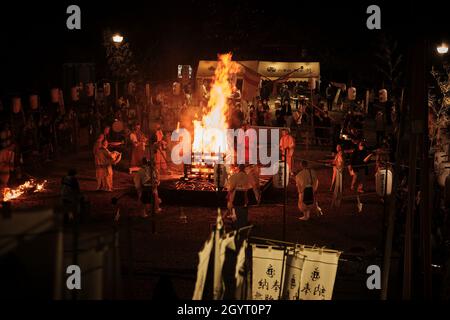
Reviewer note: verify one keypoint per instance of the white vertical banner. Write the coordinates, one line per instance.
(240, 272)
(293, 275)
(227, 242)
(319, 273)
(202, 269)
(267, 275)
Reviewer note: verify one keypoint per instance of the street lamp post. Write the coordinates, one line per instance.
(442, 48)
(117, 39)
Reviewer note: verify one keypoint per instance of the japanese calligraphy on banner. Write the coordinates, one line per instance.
(292, 280)
(202, 269)
(319, 273)
(268, 263)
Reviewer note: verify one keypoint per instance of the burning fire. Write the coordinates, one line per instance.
(27, 186)
(210, 132)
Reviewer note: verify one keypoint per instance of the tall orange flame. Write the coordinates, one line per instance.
(210, 132)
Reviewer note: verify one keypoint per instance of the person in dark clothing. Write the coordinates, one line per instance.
(70, 194)
(239, 185)
(329, 94)
(358, 166)
(260, 114)
(287, 109)
(279, 114)
(318, 124)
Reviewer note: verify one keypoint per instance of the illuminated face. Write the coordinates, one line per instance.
(338, 148)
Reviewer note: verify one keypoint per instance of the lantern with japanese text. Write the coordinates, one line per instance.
(16, 105)
(34, 101)
(383, 182)
(54, 95)
(351, 93)
(279, 177)
(383, 95)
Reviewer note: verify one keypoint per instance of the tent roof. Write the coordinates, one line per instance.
(271, 70)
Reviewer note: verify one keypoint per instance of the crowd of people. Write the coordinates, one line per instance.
(121, 129)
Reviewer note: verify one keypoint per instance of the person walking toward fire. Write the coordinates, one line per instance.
(238, 186)
(146, 182)
(71, 194)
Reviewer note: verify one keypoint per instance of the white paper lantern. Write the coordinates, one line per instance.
(90, 89)
(383, 95)
(176, 88)
(131, 88)
(278, 178)
(16, 105)
(220, 175)
(312, 84)
(351, 93)
(443, 173)
(439, 157)
(382, 186)
(54, 95)
(147, 90)
(34, 101)
(75, 94)
(107, 89)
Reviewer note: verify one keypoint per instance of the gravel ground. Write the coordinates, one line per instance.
(173, 249)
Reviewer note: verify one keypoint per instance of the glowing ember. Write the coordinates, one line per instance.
(27, 186)
(210, 132)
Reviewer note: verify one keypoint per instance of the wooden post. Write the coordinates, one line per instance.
(392, 211)
(217, 289)
(409, 224)
(425, 203)
(75, 239)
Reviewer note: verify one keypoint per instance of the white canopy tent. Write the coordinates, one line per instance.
(253, 71)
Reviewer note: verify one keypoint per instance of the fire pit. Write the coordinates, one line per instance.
(28, 187)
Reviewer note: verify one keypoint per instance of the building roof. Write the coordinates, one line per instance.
(269, 70)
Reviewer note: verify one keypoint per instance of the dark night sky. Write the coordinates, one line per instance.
(162, 34)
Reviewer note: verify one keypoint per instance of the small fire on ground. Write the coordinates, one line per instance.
(29, 186)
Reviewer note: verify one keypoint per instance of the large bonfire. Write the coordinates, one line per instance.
(210, 132)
